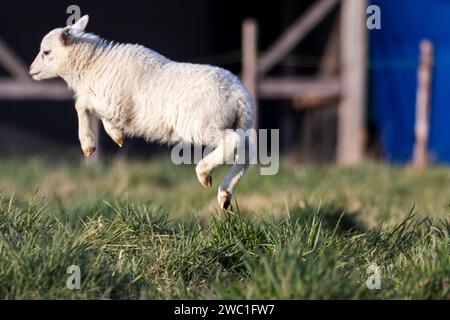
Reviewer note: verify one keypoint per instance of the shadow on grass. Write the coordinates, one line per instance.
(333, 217)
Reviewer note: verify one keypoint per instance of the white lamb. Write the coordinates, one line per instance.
(138, 92)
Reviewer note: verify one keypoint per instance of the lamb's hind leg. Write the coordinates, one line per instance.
(224, 150)
(234, 175)
(115, 134)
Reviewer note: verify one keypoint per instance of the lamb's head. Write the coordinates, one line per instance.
(54, 50)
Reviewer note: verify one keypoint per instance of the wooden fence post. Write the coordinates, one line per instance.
(423, 98)
(249, 62)
(352, 108)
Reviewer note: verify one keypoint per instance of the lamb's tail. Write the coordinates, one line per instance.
(244, 112)
(244, 121)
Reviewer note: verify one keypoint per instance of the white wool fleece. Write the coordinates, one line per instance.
(148, 95)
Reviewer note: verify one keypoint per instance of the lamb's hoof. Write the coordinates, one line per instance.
(120, 142)
(89, 151)
(205, 179)
(224, 199)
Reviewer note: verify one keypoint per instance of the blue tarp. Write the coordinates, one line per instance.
(394, 53)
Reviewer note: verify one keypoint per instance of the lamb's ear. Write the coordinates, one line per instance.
(82, 23)
(67, 36)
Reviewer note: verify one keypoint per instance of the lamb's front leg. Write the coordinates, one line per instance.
(86, 129)
(115, 134)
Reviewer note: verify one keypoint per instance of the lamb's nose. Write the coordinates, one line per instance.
(32, 71)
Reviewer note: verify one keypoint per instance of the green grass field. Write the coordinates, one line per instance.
(149, 230)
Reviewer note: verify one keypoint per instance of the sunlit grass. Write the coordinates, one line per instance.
(150, 230)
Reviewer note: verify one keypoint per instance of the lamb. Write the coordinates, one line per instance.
(136, 91)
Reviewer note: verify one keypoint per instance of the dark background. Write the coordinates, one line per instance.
(201, 31)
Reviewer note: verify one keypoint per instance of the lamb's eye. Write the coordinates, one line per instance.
(46, 52)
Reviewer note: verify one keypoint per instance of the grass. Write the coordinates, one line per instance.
(148, 230)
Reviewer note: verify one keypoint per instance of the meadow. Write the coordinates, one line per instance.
(149, 230)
